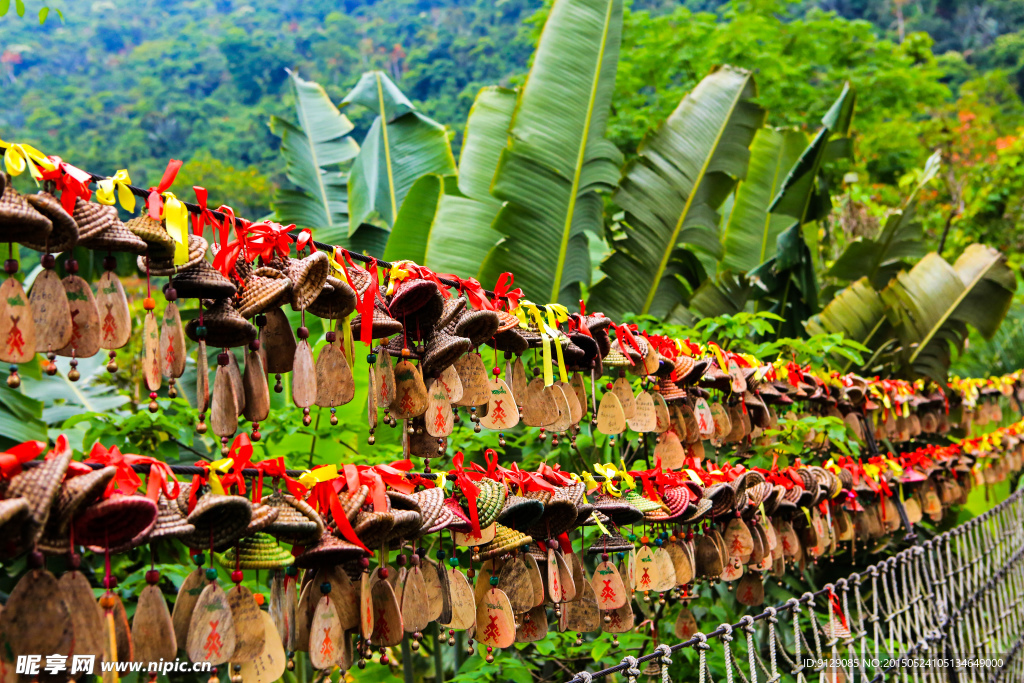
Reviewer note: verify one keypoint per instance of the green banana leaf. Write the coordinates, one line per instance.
(858, 313)
(314, 152)
(931, 305)
(750, 232)
(902, 237)
(671, 193)
(401, 146)
(726, 293)
(557, 158)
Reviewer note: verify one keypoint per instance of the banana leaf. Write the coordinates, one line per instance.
(671, 193)
(858, 313)
(750, 232)
(401, 146)
(931, 306)
(726, 293)
(557, 158)
(902, 237)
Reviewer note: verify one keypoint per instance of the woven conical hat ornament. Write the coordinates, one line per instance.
(18, 220)
(40, 485)
(221, 326)
(308, 276)
(64, 235)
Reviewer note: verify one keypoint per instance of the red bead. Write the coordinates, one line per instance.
(644, 540)
(236, 576)
(383, 572)
(152, 576)
(608, 386)
(149, 303)
(152, 394)
(496, 371)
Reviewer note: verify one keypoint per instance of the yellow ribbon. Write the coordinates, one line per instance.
(627, 478)
(311, 478)
(221, 466)
(894, 467)
(694, 477)
(871, 471)
(608, 472)
(557, 313)
(108, 188)
(530, 308)
(17, 156)
(176, 218)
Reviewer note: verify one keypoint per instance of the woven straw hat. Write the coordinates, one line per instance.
(308, 276)
(521, 512)
(669, 390)
(202, 281)
(18, 220)
(335, 301)
(40, 486)
(266, 288)
(91, 218)
(453, 307)
(508, 336)
(117, 523)
(403, 501)
(477, 326)
(559, 516)
(587, 345)
(153, 233)
(442, 350)
(219, 520)
(352, 501)
(296, 521)
(677, 500)
(197, 247)
(615, 358)
(610, 543)
(643, 503)
(489, 501)
(682, 366)
(722, 497)
(263, 515)
(360, 279)
(224, 327)
(329, 552)
(396, 345)
(620, 512)
(170, 523)
(417, 303)
(505, 540)
(259, 551)
(383, 325)
(407, 524)
(701, 507)
(115, 237)
(64, 235)
(75, 493)
(373, 528)
(431, 505)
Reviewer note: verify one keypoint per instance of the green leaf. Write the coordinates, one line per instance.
(902, 237)
(401, 146)
(415, 220)
(43, 13)
(671, 193)
(5, 5)
(726, 294)
(932, 304)
(19, 7)
(314, 152)
(858, 313)
(750, 231)
(557, 158)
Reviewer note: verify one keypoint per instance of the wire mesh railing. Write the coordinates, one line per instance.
(949, 609)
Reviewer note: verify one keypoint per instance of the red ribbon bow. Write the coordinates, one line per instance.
(464, 481)
(472, 288)
(12, 459)
(241, 459)
(275, 469)
(377, 478)
(154, 202)
(126, 481)
(305, 239)
(366, 303)
(71, 182)
(624, 335)
(267, 239)
(503, 292)
(324, 499)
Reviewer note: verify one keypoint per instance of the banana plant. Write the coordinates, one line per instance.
(400, 147)
(672, 192)
(901, 238)
(445, 222)
(557, 160)
(858, 313)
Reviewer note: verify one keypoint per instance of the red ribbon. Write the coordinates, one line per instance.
(275, 469)
(472, 288)
(503, 292)
(267, 240)
(154, 202)
(12, 459)
(415, 272)
(470, 490)
(126, 481)
(71, 182)
(377, 478)
(305, 238)
(241, 459)
(366, 303)
(624, 335)
(554, 474)
(324, 499)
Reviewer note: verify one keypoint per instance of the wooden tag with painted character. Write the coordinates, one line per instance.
(582, 615)
(51, 312)
(661, 415)
(151, 352)
(669, 450)
(172, 343)
(620, 620)
(471, 538)
(449, 379)
(608, 586)
(385, 374)
(211, 633)
(17, 329)
(410, 392)
(646, 569)
(245, 615)
(534, 626)
(439, 419)
(325, 635)
(85, 319)
(473, 375)
(502, 412)
(496, 625)
(610, 418)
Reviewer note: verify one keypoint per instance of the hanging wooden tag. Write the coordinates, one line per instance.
(630, 573)
(51, 312)
(560, 584)
(325, 635)
(646, 569)
(580, 390)
(17, 328)
(519, 382)
(738, 538)
(482, 581)
(682, 566)
(670, 451)
(788, 538)
(335, 385)
(410, 392)
(496, 625)
(245, 615)
(235, 375)
(579, 576)
(705, 420)
(731, 570)
(575, 407)
(624, 392)
(152, 629)
(211, 633)
(665, 571)
(435, 598)
(620, 620)
(473, 375)
(224, 411)
(385, 374)
(202, 378)
(750, 590)
(644, 418)
(439, 417)
(256, 389)
(304, 616)
(685, 626)
(462, 601)
(582, 615)
(277, 342)
(366, 604)
(502, 412)
(35, 620)
(270, 665)
(539, 409)
(536, 579)
(662, 419)
(122, 632)
(414, 602)
(737, 381)
(303, 376)
(151, 352)
(172, 343)
(185, 604)
(469, 539)
(608, 587)
(284, 608)
(514, 580)
(449, 379)
(85, 319)
(86, 615)
(534, 626)
(563, 419)
(690, 420)
(387, 617)
(610, 418)
(344, 596)
(371, 398)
